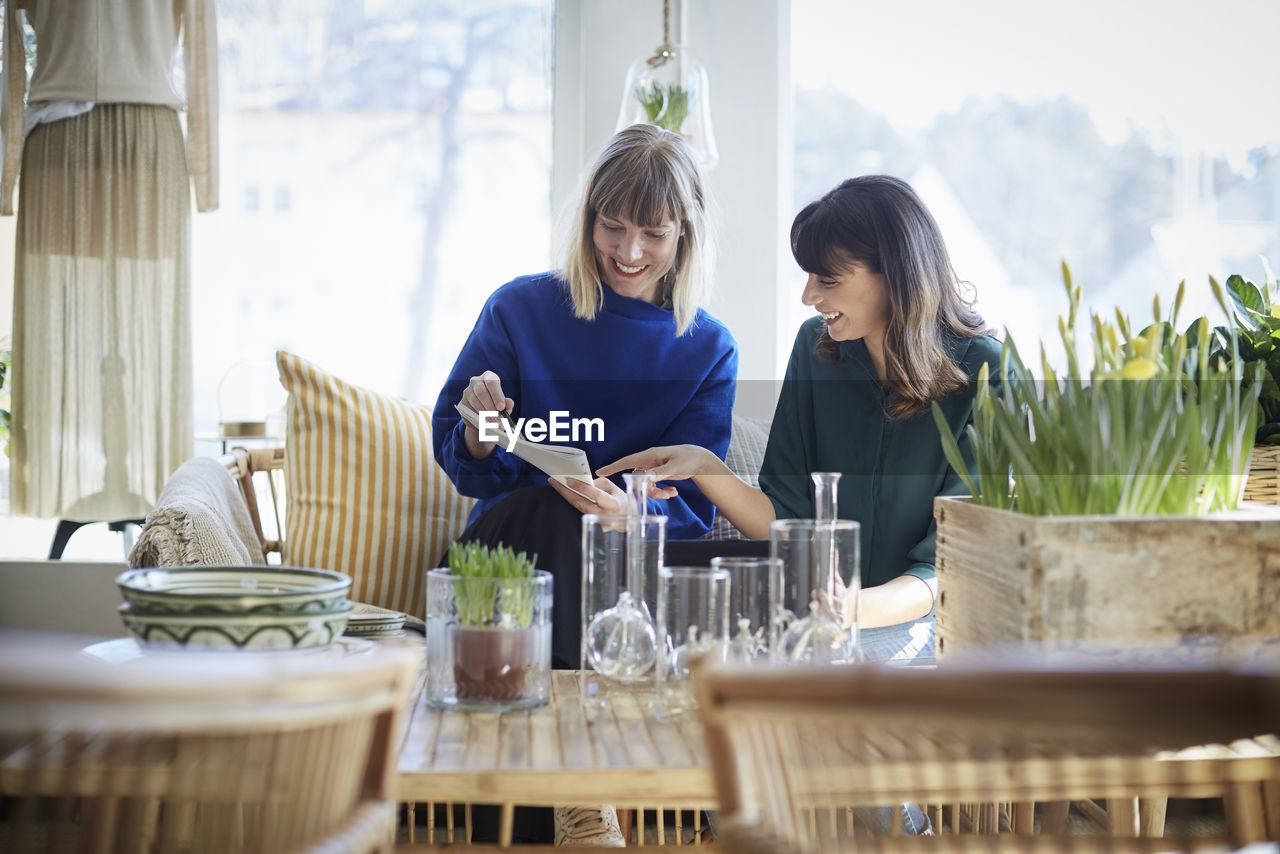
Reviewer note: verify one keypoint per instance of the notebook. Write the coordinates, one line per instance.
(554, 460)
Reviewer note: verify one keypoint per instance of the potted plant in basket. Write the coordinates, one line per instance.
(488, 630)
(1097, 509)
(1255, 314)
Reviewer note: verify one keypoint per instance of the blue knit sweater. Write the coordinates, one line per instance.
(625, 367)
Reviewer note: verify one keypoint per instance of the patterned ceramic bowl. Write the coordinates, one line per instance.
(236, 631)
(233, 590)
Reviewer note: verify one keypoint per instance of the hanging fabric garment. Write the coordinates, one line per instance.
(102, 376)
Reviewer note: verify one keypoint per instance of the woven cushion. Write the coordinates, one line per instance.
(364, 493)
(745, 455)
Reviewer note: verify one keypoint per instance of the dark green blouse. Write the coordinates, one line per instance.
(831, 417)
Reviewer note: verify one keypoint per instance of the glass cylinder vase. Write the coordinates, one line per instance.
(815, 611)
(488, 641)
(693, 622)
(620, 560)
(754, 582)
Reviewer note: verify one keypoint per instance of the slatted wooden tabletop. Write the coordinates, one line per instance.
(563, 753)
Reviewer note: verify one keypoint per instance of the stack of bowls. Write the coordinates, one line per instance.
(235, 607)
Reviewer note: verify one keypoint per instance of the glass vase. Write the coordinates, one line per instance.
(753, 585)
(693, 622)
(488, 642)
(620, 560)
(815, 610)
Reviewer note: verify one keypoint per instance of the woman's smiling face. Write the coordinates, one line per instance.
(632, 258)
(853, 301)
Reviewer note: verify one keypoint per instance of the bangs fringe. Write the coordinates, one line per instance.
(648, 196)
(815, 240)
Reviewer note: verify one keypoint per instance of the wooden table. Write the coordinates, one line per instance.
(561, 754)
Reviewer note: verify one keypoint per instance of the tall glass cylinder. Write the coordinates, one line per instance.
(620, 560)
(825, 487)
(637, 489)
(815, 611)
(693, 621)
(752, 585)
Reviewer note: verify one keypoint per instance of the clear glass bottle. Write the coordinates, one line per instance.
(637, 488)
(826, 485)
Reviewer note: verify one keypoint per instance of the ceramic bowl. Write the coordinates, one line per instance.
(233, 590)
(236, 631)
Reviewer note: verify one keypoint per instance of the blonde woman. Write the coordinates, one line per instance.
(616, 338)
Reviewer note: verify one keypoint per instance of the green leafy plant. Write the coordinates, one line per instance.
(1157, 426)
(665, 106)
(495, 586)
(1255, 314)
(6, 419)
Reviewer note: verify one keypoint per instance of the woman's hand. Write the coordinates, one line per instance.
(602, 497)
(675, 462)
(484, 394)
(840, 604)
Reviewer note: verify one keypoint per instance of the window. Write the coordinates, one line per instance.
(384, 166)
(1135, 140)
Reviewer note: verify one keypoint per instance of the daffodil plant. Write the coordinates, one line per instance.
(1156, 427)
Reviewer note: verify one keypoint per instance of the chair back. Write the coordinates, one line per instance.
(256, 469)
(794, 749)
(199, 752)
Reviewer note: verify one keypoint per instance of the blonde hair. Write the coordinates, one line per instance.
(647, 175)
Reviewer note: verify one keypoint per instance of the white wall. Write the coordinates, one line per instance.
(745, 45)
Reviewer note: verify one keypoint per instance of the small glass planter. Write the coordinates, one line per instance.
(500, 664)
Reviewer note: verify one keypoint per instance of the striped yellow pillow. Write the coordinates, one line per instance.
(364, 494)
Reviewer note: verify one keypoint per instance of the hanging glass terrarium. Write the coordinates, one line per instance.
(670, 89)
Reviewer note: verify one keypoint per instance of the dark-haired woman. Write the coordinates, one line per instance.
(893, 335)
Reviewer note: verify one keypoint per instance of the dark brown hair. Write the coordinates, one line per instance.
(879, 221)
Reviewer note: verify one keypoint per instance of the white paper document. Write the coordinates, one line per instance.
(557, 461)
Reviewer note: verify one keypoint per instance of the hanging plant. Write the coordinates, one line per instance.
(665, 106)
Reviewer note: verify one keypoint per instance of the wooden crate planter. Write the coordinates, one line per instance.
(1263, 482)
(1007, 577)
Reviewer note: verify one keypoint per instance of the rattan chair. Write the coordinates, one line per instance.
(200, 752)
(793, 750)
(254, 470)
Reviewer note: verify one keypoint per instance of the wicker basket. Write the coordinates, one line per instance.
(1263, 482)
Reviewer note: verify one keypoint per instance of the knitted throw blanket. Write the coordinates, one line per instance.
(199, 519)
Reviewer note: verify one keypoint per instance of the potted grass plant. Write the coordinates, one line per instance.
(488, 630)
(1103, 499)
